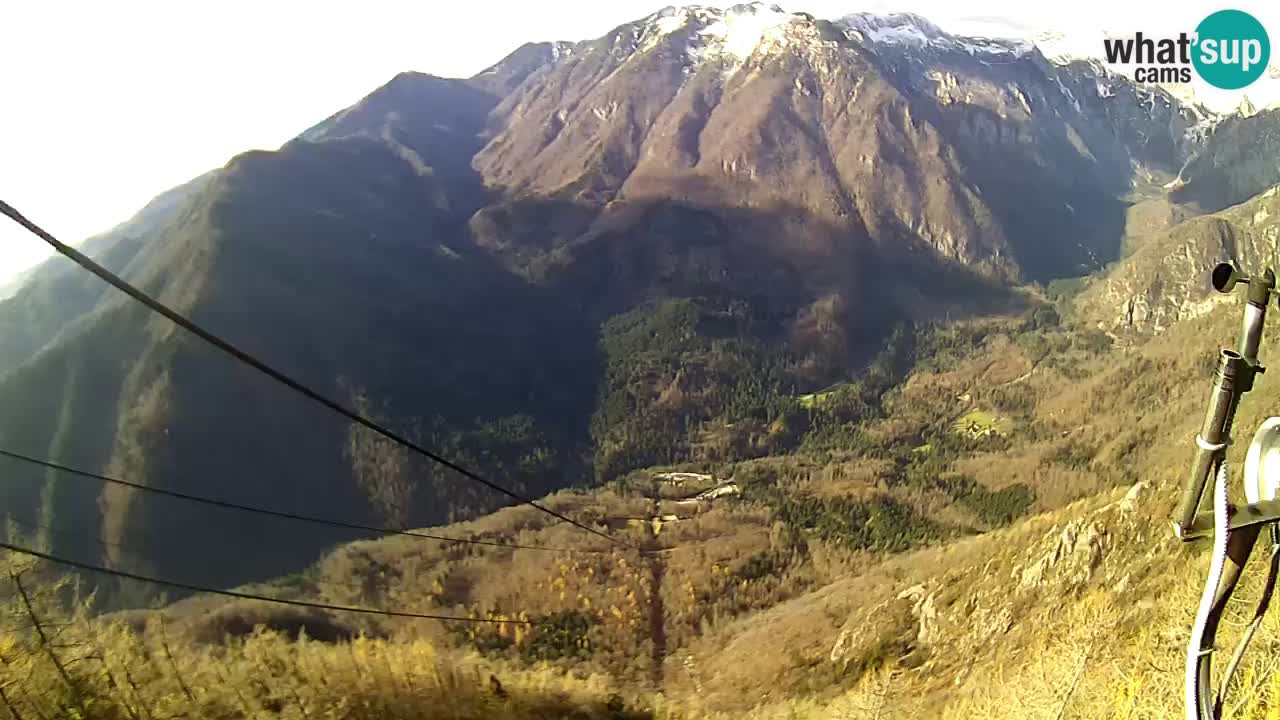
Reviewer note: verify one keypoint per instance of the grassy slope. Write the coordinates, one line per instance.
(1082, 610)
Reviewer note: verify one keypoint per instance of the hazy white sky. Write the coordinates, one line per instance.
(107, 104)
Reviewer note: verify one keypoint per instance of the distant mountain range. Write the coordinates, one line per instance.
(1087, 46)
(590, 258)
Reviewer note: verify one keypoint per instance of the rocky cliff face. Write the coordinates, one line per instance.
(879, 132)
(967, 612)
(1240, 160)
(1167, 279)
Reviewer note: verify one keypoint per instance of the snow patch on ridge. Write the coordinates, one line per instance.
(740, 30)
(670, 19)
(913, 31)
(711, 34)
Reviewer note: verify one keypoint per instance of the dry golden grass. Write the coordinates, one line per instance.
(57, 663)
(1104, 654)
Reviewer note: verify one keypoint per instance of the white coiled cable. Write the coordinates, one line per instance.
(1217, 565)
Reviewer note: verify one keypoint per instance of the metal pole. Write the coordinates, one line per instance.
(1231, 366)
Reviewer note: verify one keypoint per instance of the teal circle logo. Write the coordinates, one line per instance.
(1231, 49)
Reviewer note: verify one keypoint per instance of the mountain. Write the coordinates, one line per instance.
(505, 76)
(590, 259)
(356, 263)
(56, 292)
(1236, 163)
(1087, 43)
(1222, 208)
(1166, 280)
(863, 106)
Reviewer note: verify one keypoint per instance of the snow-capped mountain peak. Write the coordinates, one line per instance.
(913, 31)
(741, 29)
(730, 35)
(898, 28)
